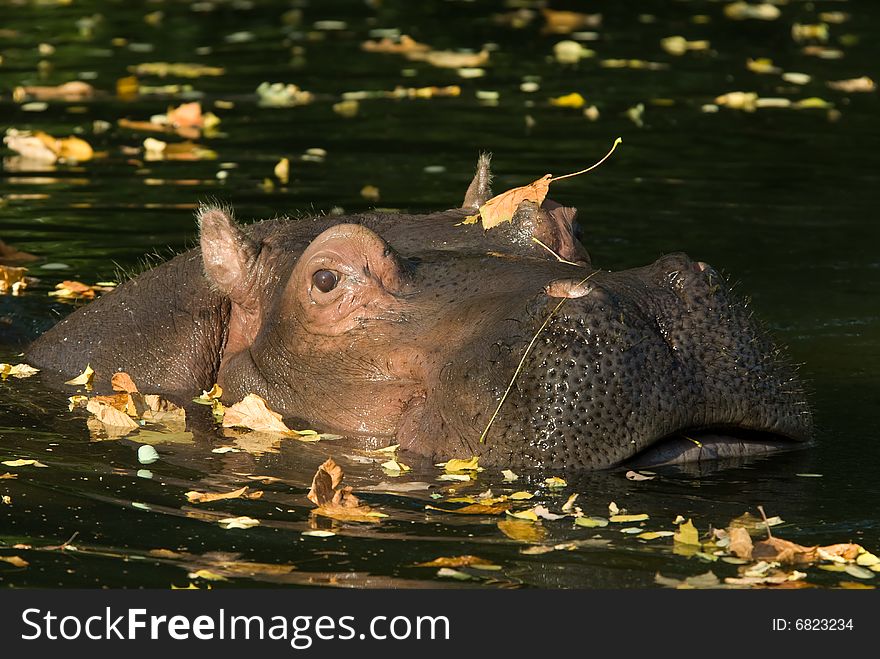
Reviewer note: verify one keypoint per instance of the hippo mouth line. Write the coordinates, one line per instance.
(713, 443)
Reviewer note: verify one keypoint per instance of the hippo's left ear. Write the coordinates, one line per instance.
(228, 254)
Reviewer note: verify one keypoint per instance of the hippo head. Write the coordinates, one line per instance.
(507, 343)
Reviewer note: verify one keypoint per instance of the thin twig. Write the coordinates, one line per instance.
(591, 167)
(526, 354)
(558, 258)
(766, 525)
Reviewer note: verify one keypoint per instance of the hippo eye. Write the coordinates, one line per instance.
(325, 280)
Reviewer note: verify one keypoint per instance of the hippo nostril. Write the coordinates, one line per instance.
(569, 288)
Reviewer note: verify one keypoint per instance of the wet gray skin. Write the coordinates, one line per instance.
(413, 328)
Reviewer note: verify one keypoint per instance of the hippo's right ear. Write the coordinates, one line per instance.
(228, 254)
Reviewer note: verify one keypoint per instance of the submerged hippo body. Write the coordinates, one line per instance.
(415, 328)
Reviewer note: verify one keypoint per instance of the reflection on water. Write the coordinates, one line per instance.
(777, 197)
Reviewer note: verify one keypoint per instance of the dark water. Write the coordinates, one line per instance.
(783, 200)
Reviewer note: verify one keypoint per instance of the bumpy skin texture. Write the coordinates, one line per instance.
(425, 325)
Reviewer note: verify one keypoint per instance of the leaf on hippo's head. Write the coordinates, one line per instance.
(501, 208)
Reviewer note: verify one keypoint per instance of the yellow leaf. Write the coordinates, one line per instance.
(555, 482)
(395, 466)
(509, 475)
(455, 561)
(17, 371)
(17, 561)
(521, 530)
(476, 509)
(653, 535)
(591, 522)
(525, 514)
(84, 378)
(628, 518)
(522, 495)
(74, 148)
(573, 100)
(687, 534)
(282, 170)
(23, 463)
(814, 102)
(462, 465)
(207, 575)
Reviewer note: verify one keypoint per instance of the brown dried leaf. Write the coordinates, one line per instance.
(400, 46)
(110, 416)
(254, 414)
(69, 91)
(455, 561)
(206, 497)
(450, 59)
(8, 476)
(12, 279)
(863, 84)
(122, 381)
(475, 509)
(73, 290)
(784, 551)
(500, 209)
(335, 502)
(740, 542)
(17, 561)
(187, 115)
(566, 22)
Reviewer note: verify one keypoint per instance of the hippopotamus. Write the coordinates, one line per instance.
(448, 339)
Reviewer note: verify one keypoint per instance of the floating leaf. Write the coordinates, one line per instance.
(461, 465)
(396, 468)
(521, 496)
(18, 561)
(569, 503)
(454, 477)
(475, 509)
(12, 279)
(208, 397)
(740, 542)
(206, 497)
(23, 463)
(687, 534)
(243, 522)
(318, 534)
(628, 518)
(338, 502)
(554, 482)
(83, 379)
(529, 514)
(653, 535)
(207, 575)
(573, 100)
(591, 522)
(254, 414)
(636, 476)
(509, 476)
(521, 530)
(17, 371)
(456, 561)
(863, 84)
